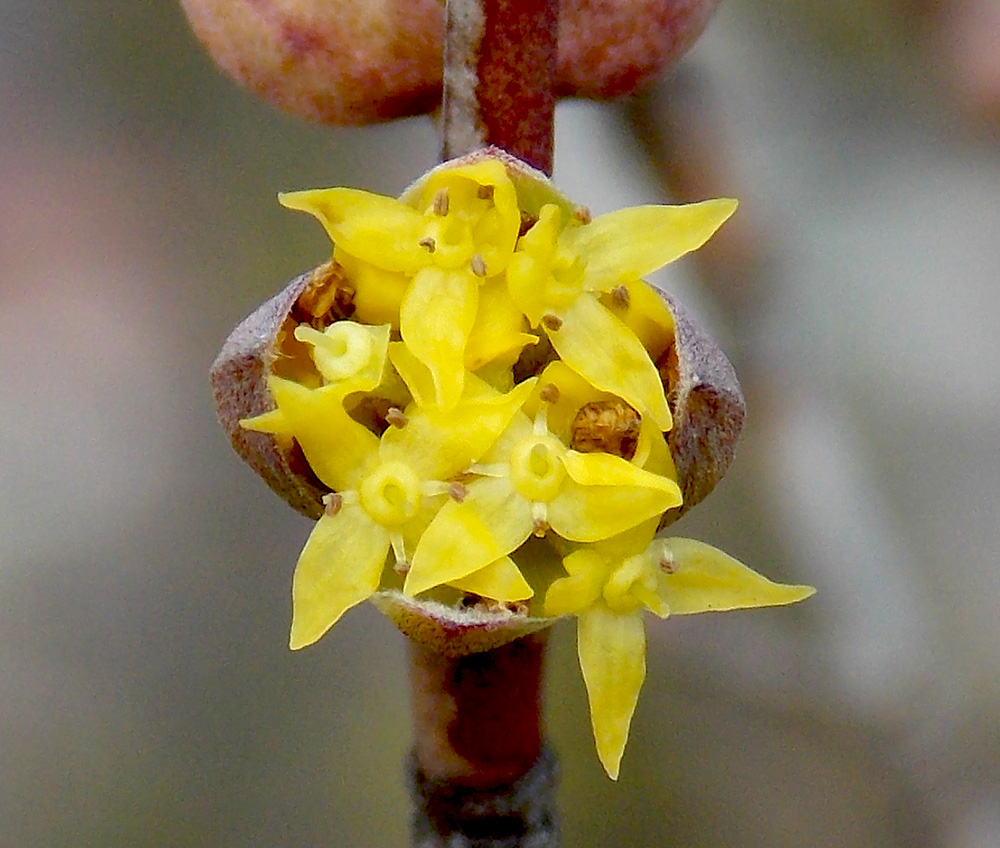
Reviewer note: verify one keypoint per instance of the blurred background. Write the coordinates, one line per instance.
(148, 697)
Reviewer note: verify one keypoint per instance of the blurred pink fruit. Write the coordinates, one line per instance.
(364, 61)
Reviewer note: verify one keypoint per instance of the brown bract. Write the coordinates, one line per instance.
(365, 61)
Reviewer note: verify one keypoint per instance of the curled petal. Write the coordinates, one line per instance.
(603, 350)
(435, 319)
(592, 513)
(499, 329)
(605, 469)
(488, 524)
(634, 242)
(377, 229)
(500, 580)
(612, 651)
(377, 292)
(696, 577)
(340, 566)
(573, 594)
(335, 445)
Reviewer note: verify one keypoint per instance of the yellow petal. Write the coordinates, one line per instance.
(377, 229)
(705, 579)
(612, 651)
(435, 319)
(415, 374)
(491, 522)
(592, 513)
(529, 275)
(377, 292)
(605, 469)
(273, 422)
(634, 242)
(603, 350)
(500, 580)
(645, 314)
(334, 444)
(439, 445)
(340, 566)
(499, 328)
(578, 592)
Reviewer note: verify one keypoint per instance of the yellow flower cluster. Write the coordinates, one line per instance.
(498, 335)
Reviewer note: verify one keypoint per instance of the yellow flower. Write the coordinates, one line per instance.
(422, 265)
(608, 587)
(389, 503)
(562, 266)
(530, 483)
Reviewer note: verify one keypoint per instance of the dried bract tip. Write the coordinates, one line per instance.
(333, 504)
(621, 297)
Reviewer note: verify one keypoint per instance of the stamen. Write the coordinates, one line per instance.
(582, 215)
(485, 192)
(667, 563)
(457, 492)
(441, 202)
(549, 393)
(428, 243)
(621, 297)
(495, 469)
(551, 321)
(333, 503)
(478, 265)
(540, 518)
(399, 551)
(395, 417)
(540, 426)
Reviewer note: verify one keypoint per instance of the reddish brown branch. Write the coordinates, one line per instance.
(499, 78)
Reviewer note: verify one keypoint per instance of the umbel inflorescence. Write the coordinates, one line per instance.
(474, 397)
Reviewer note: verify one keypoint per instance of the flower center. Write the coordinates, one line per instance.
(391, 493)
(536, 468)
(341, 351)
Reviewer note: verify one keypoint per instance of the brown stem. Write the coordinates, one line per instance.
(499, 72)
(480, 777)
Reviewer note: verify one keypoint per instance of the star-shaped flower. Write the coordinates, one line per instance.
(532, 482)
(609, 586)
(562, 266)
(422, 265)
